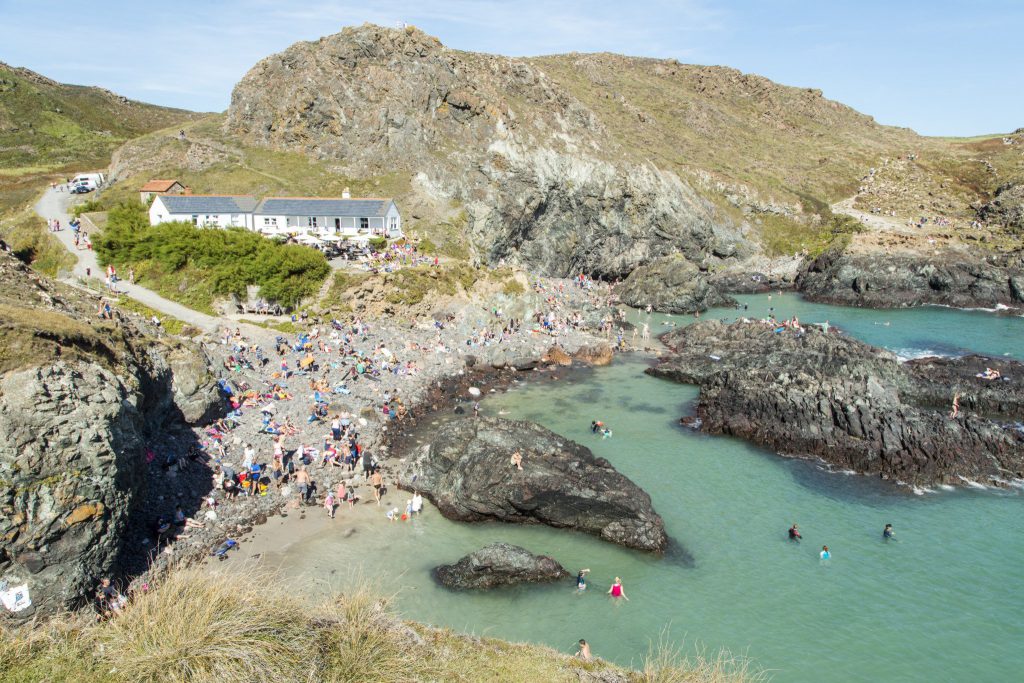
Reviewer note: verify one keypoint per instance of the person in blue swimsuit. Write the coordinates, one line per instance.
(888, 534)
(581, 580)
(825, 554)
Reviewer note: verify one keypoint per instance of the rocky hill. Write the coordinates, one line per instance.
(81, 401)
(570, 162)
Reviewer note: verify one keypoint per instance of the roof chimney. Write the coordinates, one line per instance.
(345, 194)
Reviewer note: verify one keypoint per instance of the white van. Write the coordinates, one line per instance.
(90, 180)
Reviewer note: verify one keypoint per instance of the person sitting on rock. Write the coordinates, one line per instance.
(517, 460)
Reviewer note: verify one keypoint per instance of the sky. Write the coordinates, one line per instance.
(939, 67)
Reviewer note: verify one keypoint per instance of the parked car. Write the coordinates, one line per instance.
(80, 189)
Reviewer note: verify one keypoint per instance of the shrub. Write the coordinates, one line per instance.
(183, 259)
(378, 243)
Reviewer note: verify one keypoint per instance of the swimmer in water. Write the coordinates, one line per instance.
(581, 579)
(584, 651)
(794, 534)
(606, 434)
(825, 554)
(888, 534)
(616, 590)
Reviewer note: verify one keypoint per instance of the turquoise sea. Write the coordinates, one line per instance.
(944, 602)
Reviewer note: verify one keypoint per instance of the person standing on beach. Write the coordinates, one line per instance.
(302, 481)
(616, 591)
(377, 481)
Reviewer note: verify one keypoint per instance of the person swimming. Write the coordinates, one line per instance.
(616, 590)
(606, 434)
(581, 579)
(888, 533)
(794, 534)
(825, 554)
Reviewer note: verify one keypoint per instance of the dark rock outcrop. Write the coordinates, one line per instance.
(887, 281)
(813, 394)
(1006, 208)
(466, 472)
(671, 285)
(499, 564)
(80, 399)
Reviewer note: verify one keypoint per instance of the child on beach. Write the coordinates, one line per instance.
(329, 504)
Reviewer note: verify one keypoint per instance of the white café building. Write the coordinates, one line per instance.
(317, 217)
(323, 217)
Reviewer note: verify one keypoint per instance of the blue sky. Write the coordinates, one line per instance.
(940, 67)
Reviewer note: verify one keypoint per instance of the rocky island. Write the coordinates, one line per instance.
(807, 393)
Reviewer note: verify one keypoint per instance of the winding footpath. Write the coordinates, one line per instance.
(53, 205)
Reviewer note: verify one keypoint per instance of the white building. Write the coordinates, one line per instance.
(322, 217)
(293, 216)
(206, 210)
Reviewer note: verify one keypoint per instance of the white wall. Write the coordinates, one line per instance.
(158, 213)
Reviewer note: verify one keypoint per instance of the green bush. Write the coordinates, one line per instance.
(378, 243)
(182, 260)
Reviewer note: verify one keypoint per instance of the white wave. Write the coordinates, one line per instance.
(947, 487)
(905, 354)
(972, 484)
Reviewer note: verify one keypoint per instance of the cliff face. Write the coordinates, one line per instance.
(80, 401)
(541, 179)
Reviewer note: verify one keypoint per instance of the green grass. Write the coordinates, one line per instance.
(32, 242)
(169, 324)
(200, 626)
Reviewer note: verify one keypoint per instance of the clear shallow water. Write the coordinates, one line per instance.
(943, 603)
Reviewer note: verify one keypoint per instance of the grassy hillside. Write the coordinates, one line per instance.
(199, 626)
(47, 126)
(50, 130)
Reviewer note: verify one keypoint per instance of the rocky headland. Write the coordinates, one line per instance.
(466, 472)
(813, 394)
(499, 564)
(83, 403)
(896, 281)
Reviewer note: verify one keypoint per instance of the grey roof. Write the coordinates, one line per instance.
(206, 204)
(306, 206)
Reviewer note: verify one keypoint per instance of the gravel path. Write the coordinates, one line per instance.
(54, 204)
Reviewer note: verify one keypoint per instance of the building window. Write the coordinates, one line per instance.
(393, 223)
(364, 223)
(195, 219)
(311, 221)
(270, 222)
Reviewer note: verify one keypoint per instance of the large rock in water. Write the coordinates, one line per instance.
(466, 472)
(499, 564)
(824, 395)
(671, 285)
(888, 281)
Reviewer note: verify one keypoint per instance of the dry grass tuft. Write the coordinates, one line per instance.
(666, 663)
(202, 626)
